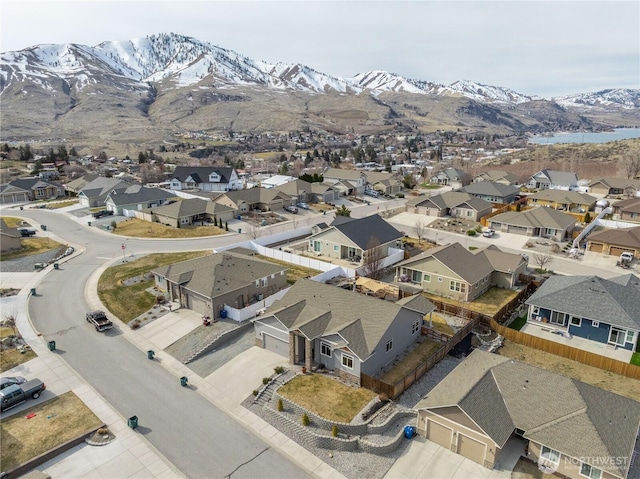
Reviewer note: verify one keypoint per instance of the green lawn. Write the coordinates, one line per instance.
(635, 359)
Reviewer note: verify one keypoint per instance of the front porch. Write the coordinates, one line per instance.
(559, 335)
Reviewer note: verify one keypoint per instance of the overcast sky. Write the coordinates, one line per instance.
(545, 48)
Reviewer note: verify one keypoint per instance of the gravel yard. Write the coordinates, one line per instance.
(26, 263)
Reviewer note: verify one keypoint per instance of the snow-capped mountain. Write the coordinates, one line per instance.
(620, 98)
(184, 61)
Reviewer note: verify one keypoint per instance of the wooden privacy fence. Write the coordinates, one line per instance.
(394, 390)
(584, 357)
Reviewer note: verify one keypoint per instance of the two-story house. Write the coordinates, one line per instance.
(205, 178)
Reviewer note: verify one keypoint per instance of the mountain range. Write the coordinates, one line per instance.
(165, 84)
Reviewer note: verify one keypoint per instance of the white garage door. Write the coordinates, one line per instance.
(199, 305)
(471, 449)
(276, 345)
(439, 434)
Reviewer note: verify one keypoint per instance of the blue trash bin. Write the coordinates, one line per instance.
(409, 432)
(223, 313)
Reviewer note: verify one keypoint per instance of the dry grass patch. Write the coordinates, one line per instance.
(412, 360)
(62, 204)
(55, 422)
(439, 323)
(295, 272)
(10, 358)
(322, 207)
(488, 304)
(528, 470)
(12, 221)
(129, 302)
(607, 380)
(137, 228)
(31, 246)
(327, 397)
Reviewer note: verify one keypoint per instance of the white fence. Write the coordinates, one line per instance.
(251, 310)
(616, 224)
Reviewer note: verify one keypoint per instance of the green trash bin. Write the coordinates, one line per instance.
(52, 345)
(33, 291)
(44, 227)
(184, 381)
(56, 266)
(150, 354)
(133, 422)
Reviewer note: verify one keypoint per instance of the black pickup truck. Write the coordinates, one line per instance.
(99, 320)
(26, 232)
(18, 393)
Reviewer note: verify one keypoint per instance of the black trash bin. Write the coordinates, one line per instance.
(52, 345)
(33, 291)
(150, 354)
(44, 227)
(56, 266)
(184, 381)
(133, 422)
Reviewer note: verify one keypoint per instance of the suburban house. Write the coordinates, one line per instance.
(615, 241)
(452, 271)
(563, 200)
(95, 192)
(383, 182)
(543, 222)
(206, 284)
(453, 177)
(357, 240)
(348, 333)
(615, 186)
(136, 197)
(205, 178)
(590, 307)
(75, 186)
(322, 192)
(10, 238)
(298, 190)
(255, 199)
(187, 212)
(29, 189)
(552, 180)
(627, 210)
(562, 424)
(349, 182)
(498, 176)
(496, 193)
(451, 203)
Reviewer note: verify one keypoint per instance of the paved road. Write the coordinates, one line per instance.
(194, 435)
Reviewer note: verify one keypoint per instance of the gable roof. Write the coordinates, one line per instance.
(138, 193)
(189, 207)
(200, 174)
(79, 183)
(319, 310)
(102, 186)
(295, 187)
(579, 420)
(489, 188)
(33, 183)
(564, 178)
(339, 173)
(592, 297)
(540, 217)
(469, 266)
(256, 195)
(218, 274)
(627, 237)
(363, 230)
(450, 199)
(630, 205)
(617, 183)
(562, 196)
(496, 175)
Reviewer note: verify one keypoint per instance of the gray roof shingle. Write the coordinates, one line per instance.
(363, 230)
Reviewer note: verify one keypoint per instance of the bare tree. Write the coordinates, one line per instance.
(542, 260)
(421, 228)
(373, 260)
(630, 164)
(253, 230)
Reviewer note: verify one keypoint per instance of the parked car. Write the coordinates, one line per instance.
(99, 320)
(372, 193)
(488, 233)
(11, 380)
(291, 209)
(304, 206)
(101, 213)
(18, 393)
(26, 232)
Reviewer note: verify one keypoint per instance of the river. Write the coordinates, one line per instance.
(585, 137)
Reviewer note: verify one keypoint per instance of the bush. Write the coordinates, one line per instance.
(266, 380)
(135, 324)
(226, 226)
(279, 369)
(305, 419)
(471, 232)
(280, 405)
(334, 430)
(160, 299)
(114, 225)
(555, 248)
(399, 195)
(254, 392)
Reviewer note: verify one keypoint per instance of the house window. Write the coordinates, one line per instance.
(257, 283)
(390, 345)
(336, 247)
(416, 276)
(550, 455)
(535, 310)
(558, 318)
(629, 336)
(316, 246)
(347, 361)
(426, 278)
(457, 286)
(595, 324)
(325, 349)
(575, 321)
(415, 327)
(264, 282)
(589, 471)
(617, 336)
